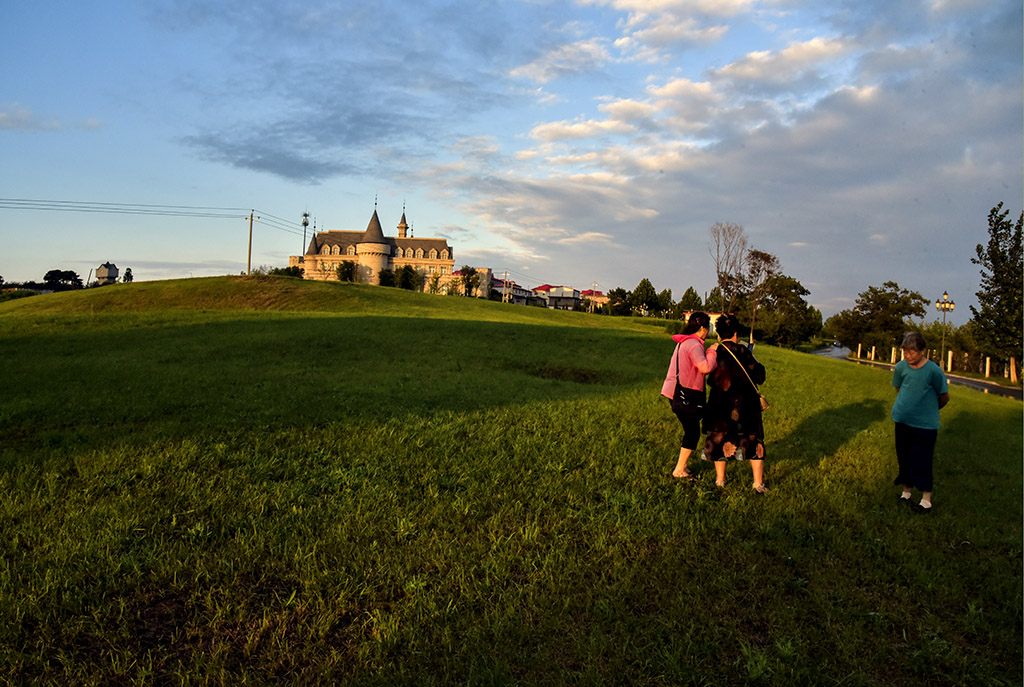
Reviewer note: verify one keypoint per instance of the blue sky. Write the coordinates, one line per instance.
(569, 142)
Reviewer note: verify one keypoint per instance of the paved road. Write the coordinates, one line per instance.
(980, 385)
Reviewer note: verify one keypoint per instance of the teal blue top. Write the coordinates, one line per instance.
(917, 403)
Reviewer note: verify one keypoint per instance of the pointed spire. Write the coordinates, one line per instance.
(373, 234)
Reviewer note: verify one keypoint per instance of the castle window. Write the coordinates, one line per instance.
(433, 254)
(326, 250)
(336, 250)
(430, 269)
(444, 255)
(399, 253)
(351, 250)
(444, 270)
(419, 252)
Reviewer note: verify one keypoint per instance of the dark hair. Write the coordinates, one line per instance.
(726, 326)
(913, 341)
(696, 321)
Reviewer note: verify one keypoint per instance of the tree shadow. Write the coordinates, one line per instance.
(825, 432)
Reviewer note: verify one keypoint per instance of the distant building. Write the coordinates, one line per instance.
(596, 298)
(372, 252)
(106, 274)
(558, 297)
(510, 292)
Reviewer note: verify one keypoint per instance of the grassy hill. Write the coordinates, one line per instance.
(277, 481)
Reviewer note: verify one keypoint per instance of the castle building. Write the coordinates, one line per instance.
(372, 252)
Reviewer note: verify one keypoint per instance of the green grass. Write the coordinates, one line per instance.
(269, 481)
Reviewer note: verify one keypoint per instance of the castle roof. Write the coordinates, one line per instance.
(373, 233)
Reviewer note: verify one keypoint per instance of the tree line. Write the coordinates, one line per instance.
(881, 314)
(749, 282)
(59, 280)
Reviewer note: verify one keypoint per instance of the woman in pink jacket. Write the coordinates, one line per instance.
(684, 384)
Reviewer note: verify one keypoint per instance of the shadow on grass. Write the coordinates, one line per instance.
(101, 387)
(826, 431)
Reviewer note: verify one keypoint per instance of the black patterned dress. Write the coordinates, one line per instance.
(733, 414)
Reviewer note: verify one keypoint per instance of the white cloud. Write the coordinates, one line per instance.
(581, 56)
(787, 65)
(557, 131)
(17, 117)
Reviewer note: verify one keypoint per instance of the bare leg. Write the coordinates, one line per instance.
(681, 471)
(720, 473)
(757, 467)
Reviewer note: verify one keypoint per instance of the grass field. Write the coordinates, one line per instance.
(270, 481)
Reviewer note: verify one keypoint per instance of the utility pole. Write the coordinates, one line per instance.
(248, 263)
(504, 288)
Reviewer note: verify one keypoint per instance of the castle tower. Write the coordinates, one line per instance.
(402, 227)
(374, 252)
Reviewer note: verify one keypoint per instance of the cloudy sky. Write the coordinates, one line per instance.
(568, 141)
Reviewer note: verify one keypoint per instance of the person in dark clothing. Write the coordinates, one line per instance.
(733, 417)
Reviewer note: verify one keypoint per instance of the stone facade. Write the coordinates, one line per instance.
(372, 252)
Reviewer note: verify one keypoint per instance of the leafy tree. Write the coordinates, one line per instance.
(618, 302)
(347, 271)
(408, 278)
(879, 318)
(1, 281)
(386, 277)
(62, 280)
(999, 323)
(760, 268)
(434, 284)
(128, 277)
(787, 318)
(714, 301)
(728, 247)
(665, 301)
(470, 280)
(644, 298)
(690, 301)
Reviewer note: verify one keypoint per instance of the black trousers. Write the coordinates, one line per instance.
(915, 454)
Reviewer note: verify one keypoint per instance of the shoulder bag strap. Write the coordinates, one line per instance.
(742, 367)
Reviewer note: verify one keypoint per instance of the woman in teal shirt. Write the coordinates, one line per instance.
(921, 391)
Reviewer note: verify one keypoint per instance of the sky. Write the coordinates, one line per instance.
(588, 143)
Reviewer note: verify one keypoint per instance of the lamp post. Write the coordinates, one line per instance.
(945, 305)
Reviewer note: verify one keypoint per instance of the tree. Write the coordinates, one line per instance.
(665, 301)
(434, 284)
(62, 280)
(760, 268)
(999, 323)
(644, 298)
(128, 277)
(470, 280)
(714, 301)
(879, 318)
(728, 247)
(787, 319)
(346, 271)
(408, 278)
(618, 301)
(386, 277)
(690, 301)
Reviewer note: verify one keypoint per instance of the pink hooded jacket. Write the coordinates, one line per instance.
(693, 363)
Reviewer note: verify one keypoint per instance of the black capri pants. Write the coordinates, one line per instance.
(691, 428)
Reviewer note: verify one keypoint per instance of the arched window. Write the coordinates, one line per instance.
(433, 254)
(326, 250)
(399, 253)
(336, 250)
(351, 250)
(419, 252)
(444, 255)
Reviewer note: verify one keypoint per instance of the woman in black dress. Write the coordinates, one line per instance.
(733, 418)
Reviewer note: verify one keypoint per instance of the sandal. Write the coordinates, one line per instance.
(760, 489)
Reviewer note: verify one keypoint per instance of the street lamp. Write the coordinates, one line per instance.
(945, 305)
